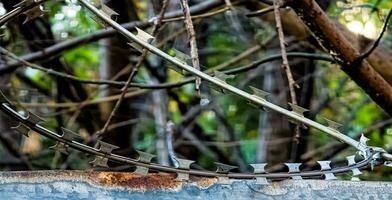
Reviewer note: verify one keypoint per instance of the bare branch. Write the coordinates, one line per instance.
(134, 71)
(377, 42)
(192, 40)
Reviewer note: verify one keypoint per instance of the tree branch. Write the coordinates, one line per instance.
(377, 42)
(192, 41)
(344, 53)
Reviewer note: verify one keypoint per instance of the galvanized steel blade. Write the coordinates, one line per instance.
(143, 36)
(259, 168)
(22, 129)
(106, 148)
(294, 169)
(33, 118)
(102, 156)
(183, 164)
(67, 135)
(332, 124)
(351, 162)
(325, 165)
(144, 157)
(222, 76)
(223, 169)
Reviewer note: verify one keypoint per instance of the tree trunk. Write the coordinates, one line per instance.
(116, 55)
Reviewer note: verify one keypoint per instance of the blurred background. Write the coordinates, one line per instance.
(174, 120)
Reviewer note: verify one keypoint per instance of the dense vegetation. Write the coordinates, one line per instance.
(205, 125)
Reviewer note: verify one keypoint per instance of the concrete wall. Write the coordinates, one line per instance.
(108, 185)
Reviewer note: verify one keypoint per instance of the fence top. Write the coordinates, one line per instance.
(116, 185)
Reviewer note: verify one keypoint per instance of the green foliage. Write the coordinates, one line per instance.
(348, 103)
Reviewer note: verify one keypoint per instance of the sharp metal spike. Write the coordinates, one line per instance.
(260, 93)
(258, 106)
(22, 129)
(214, 87)
(330, 176)
(355, 179)
(184, 58)
(106, 147)
(223, 168)
(136, 46)
(177, 69)
(105, 9)
(183, 164)
(68, 134)
(388, 163)
(144, 36)
(356, 172)
(222, 76)
(109, 12)
(100, 161)
(326, 165)
(302, 125)
(141, 170)
(298, 109)
(332, 124)
(182, 176)
(294, 168)
(33, 118)
(145, 158)
(260, 169)
(351, 162)
(363, 140)
(262, 181)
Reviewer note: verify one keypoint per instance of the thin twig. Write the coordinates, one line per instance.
(261, 11)
(150, 87)
(286, 66)
(192, 40)
(134, 71)
(169, 85)
(199, 16)
(285, 63)
(377, 42)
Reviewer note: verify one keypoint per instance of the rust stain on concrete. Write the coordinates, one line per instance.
(124, 180)
(134, 181)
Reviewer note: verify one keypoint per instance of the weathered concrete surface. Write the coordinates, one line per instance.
(109, 185)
